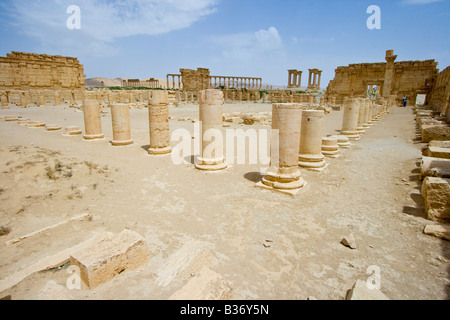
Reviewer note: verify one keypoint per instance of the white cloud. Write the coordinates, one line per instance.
(103, 21)
(248, 46)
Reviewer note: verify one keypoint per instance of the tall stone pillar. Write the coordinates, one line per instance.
(120, 114)
(92, 120)
(362, 106)
(158, 110)
(211, 118)
(390, 73)
(286, 176)
(350, 121)
(311, 135)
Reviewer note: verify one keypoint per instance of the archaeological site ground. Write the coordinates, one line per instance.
(196, 186)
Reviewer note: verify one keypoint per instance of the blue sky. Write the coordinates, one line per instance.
(259, 38)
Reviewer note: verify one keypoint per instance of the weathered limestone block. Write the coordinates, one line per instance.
(207, 285)
(113, 255)
(190, 259)
(437, 132)
(437, 152)
(440, 144)
(438, 230)
(436, 192)
(360, 291)
(434, 167)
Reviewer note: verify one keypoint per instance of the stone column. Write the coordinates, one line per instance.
(158, 110)
(92, 120)
(311, 135)
(286, 176)
(330, 147)
(120, 114)
(366, 113)
(360, 127)
(211, 118)
(350, 121)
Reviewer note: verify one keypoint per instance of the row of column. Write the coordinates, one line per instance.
(25, 98)
(174, 81)
(236, 82)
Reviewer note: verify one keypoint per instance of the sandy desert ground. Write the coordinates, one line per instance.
(266, 244)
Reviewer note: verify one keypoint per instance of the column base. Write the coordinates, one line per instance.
(211, 164)
(53, 128)
(284, 183)
(159, 151)
(351, 135)
(345, 145)
(121, 143)
(360, 130)
(332, 154)
(312, 162)
(290, 192)
(92, 137)
(36, 125)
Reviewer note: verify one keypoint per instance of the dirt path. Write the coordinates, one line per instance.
(371, 190)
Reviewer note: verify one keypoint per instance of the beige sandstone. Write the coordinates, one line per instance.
(310, 152)
(436, 192)
(158, 108)
(110, 257)
(120, 115)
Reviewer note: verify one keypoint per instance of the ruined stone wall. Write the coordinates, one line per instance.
(28, 71)
(195, 80)
(440, 95)
(408, 78)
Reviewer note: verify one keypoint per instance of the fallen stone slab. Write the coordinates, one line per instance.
(190, 259)
(113, 255)
(434, 167)
(49, 262)
(440, 144)
(206, 285)
(438, 230)
(436, 192)
(84, 216)
(437, 152)
(435, 132)
(360, 291)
